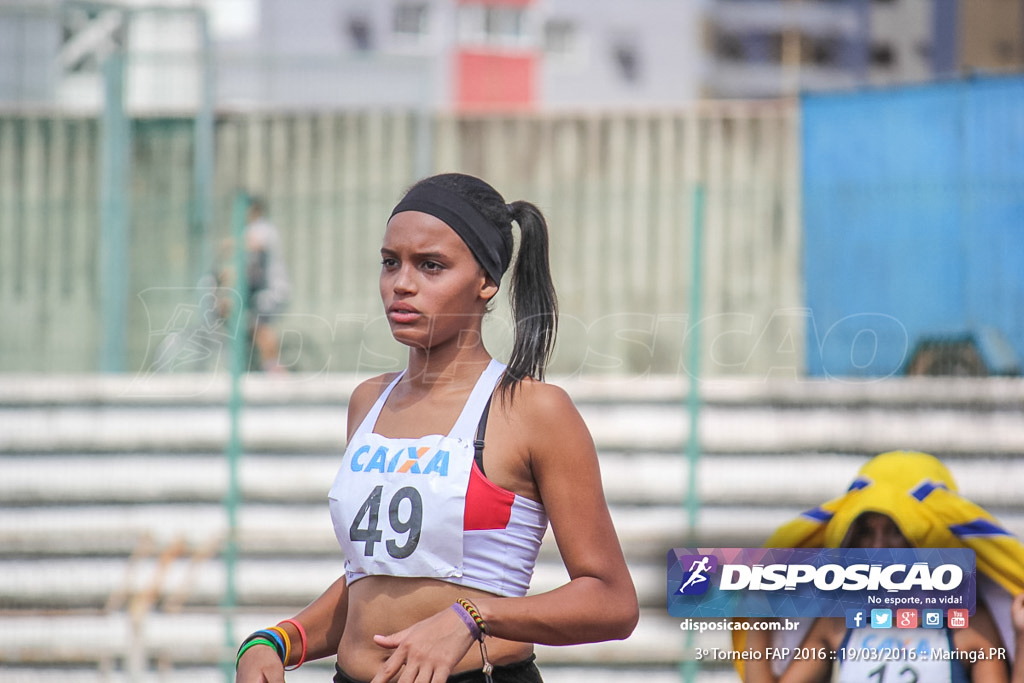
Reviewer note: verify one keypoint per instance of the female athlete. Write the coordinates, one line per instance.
(453, 469)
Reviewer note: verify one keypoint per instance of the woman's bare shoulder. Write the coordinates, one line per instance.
(372, 387)
(544, 414)
(364, 396)
(538, 399)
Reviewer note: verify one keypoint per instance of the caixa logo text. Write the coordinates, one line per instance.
(830, 577)
(402, 460)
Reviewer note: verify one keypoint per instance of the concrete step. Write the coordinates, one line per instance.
(171, 579)
(259, 389)
(268, 530)
(91, 559)
(321, 672)
(629, 478)
(196, 638)
(628, 427)
(188, 414)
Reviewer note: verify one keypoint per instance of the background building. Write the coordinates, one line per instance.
(479, 55)
(466, 55)
(758, 48)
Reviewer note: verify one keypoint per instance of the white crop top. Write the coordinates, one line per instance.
(422, 508)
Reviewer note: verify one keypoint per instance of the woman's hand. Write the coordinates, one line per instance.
(1017, 614)
(259, 664)
(428, 650)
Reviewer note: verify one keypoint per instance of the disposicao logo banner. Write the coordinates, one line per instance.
(817, 582)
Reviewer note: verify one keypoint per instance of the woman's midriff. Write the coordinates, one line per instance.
(382, 605)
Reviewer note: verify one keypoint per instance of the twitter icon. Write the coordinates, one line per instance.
(881, 618)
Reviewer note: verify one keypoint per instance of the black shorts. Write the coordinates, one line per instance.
(520, 672)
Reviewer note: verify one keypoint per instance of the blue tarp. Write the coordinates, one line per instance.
(913, 221)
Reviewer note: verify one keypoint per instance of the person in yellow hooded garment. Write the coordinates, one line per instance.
(906, 499)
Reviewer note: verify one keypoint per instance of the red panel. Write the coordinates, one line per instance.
(490, 80)
(488, 506)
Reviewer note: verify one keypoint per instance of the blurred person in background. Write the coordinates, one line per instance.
(905, 499)
(267, 280)
(453, 468)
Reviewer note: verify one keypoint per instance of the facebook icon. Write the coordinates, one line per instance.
(856, 618)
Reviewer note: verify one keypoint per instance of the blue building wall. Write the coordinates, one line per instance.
(913, 221)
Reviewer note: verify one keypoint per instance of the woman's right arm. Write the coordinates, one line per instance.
(323, 620)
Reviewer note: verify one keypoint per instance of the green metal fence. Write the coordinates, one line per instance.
(614, 185)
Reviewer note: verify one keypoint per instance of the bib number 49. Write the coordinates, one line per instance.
(370, 533)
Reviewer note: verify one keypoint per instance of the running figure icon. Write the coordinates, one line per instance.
(697, 573)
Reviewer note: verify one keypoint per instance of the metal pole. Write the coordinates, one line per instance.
(691, 667)
(423, 153)
(115, 163)
(200, 249)
(693, 404)
(233, 449)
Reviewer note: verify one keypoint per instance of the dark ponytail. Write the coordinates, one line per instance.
(478, 208)
(534, 303)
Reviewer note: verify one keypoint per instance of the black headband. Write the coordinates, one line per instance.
(479, 234)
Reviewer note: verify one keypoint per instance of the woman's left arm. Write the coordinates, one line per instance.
(982, 637)
(1017, 614)
(599, 602)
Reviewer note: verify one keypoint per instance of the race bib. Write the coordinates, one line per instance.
(398, 505)
(896, 656)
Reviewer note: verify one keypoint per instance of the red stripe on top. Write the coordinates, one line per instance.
(488, 506)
